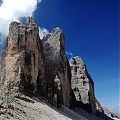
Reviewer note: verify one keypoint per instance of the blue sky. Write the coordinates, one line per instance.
(91, 29)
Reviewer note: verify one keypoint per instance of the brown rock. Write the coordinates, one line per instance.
(32, 67)
(23, 59)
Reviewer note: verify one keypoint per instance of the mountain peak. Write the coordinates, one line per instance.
(34, 70)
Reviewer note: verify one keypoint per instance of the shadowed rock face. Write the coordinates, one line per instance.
(22, 62)
(82, 85)
(109, 113)
(25, 68)
(34, 67)
(59, 87)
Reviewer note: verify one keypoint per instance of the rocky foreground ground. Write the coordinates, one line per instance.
(22, 107)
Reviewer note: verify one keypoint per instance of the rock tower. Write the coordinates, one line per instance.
(59, 86)
(34, 70)
(82, 85)
(22, 60)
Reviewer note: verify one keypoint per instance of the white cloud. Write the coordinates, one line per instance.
(13, 10)
(43, 32)
(69, 53)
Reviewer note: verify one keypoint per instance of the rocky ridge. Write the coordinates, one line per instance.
(39, 69)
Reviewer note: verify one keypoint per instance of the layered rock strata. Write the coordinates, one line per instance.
(59, 87)
(82, 85)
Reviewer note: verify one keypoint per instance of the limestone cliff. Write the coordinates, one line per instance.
(34, 70)
(22, 60)
(82, 85)
(29, 68)
(59, 87)
(83, 88)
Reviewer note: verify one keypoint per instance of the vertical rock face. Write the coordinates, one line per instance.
(24, 67)
(82, 85)
(59, 87)
(109, 113)
(34, 67)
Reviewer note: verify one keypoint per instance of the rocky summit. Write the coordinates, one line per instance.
(37, 82)
(59, 86)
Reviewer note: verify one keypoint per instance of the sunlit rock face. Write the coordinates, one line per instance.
(82, 85)
(22, 60)
(34, 70)
(58, 86)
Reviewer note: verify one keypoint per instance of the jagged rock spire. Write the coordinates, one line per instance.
(82, 85)
(55, 55)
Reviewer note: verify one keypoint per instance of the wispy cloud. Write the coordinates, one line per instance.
(69, 53)
(43, 32)
(14, 10)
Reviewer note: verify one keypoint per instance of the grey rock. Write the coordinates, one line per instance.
(33, 67)
(58, 86)
(82, 85)
(109, 113)
(98, 106)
